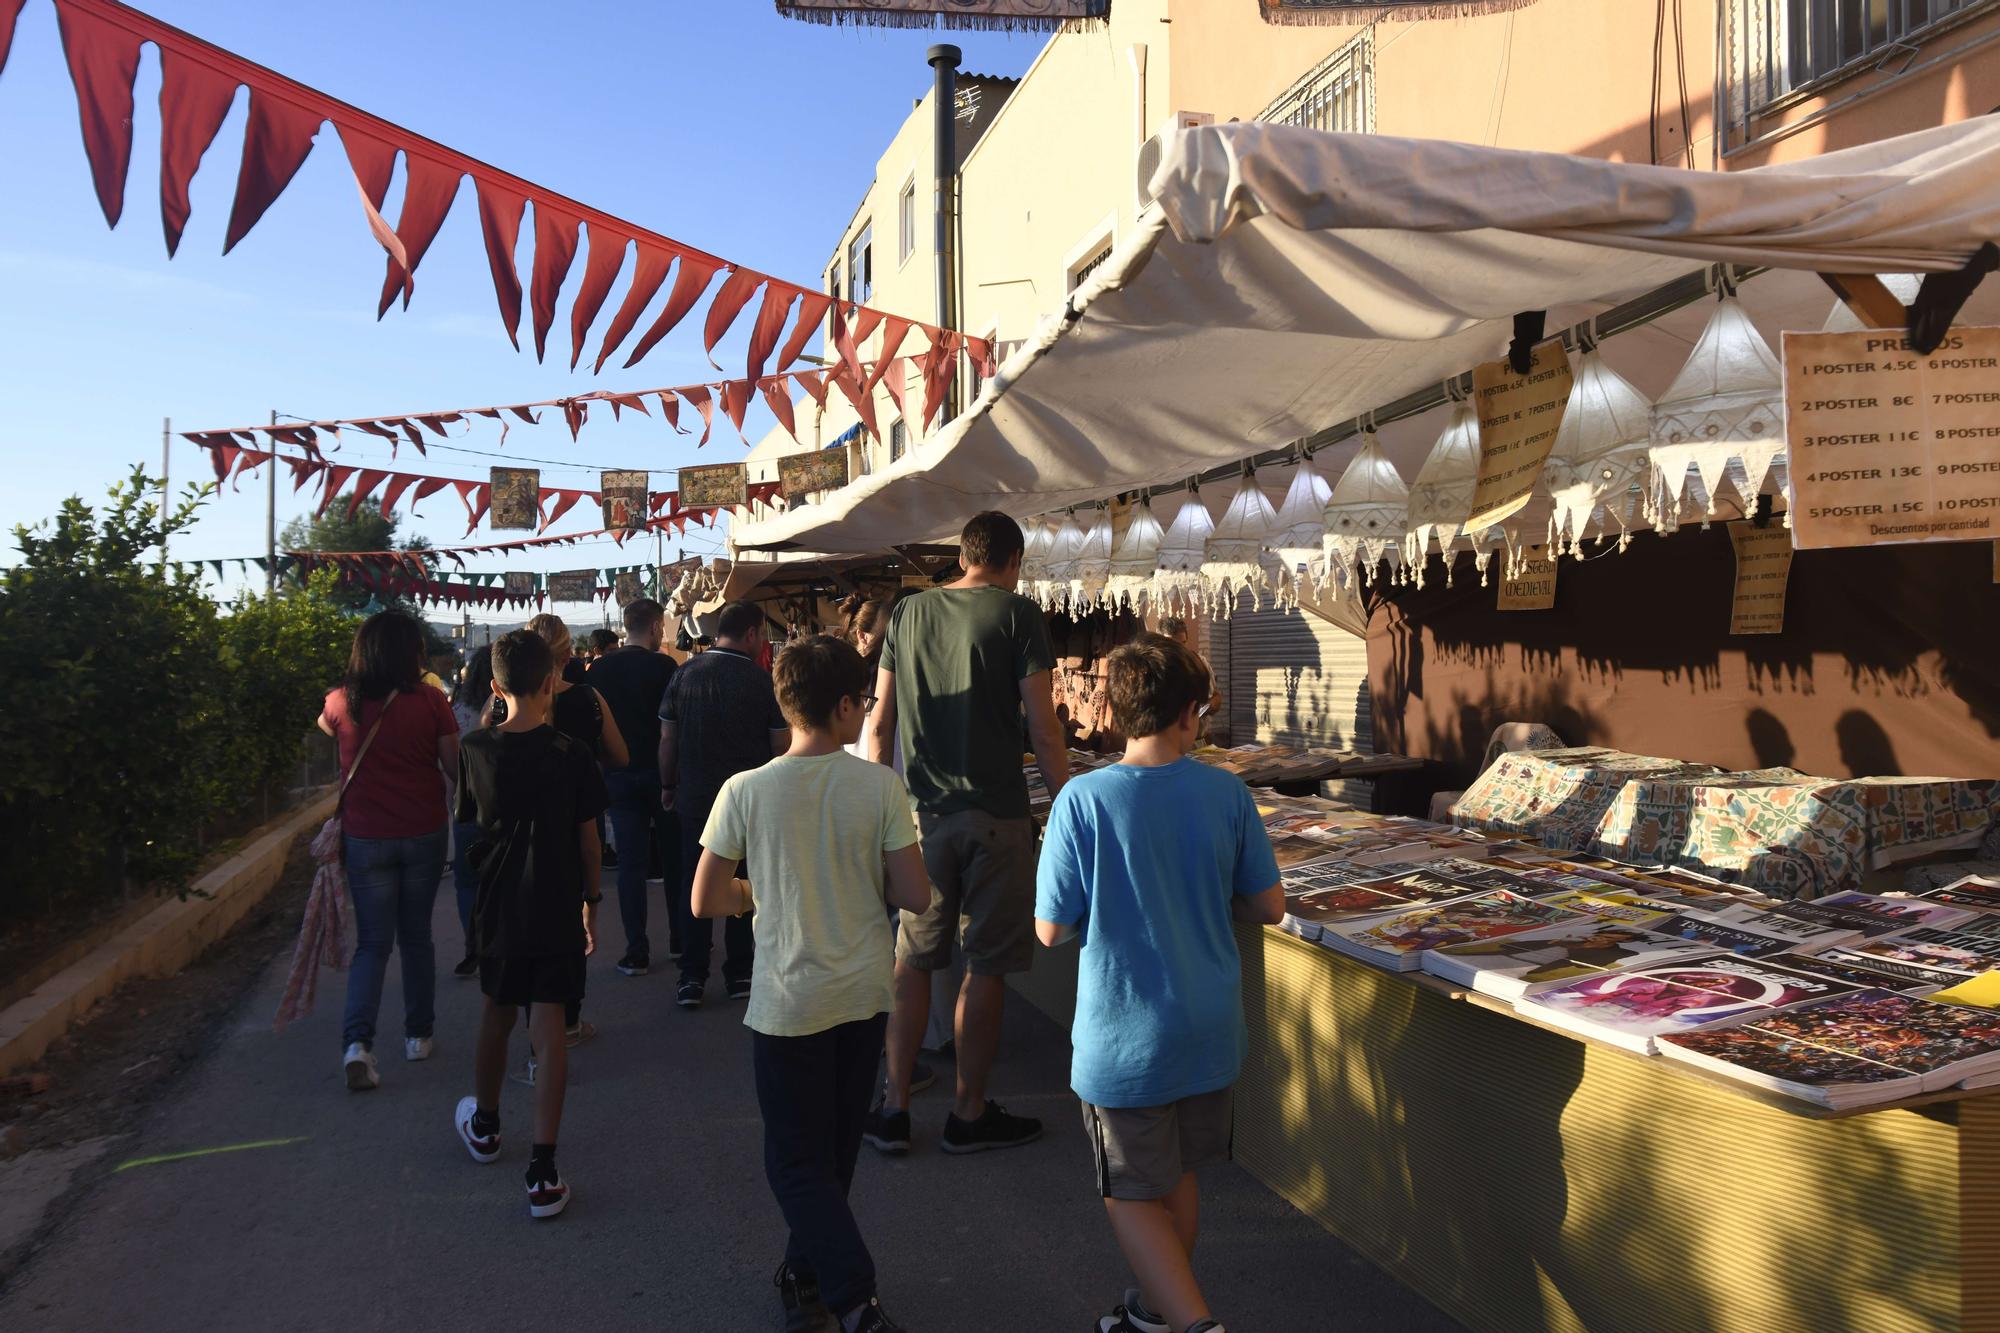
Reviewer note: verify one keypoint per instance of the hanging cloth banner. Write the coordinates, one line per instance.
(978, 15)
(1529, 581)
(520, 583)
(1763, 568)
(623, 495)
(102, 40)
(1357, 12)
(573, 585)
(1519, 416)
(515, 496)
(716, 486)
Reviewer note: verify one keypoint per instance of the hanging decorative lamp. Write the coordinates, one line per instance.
(1298, 534)
(1722, 420)
(1093, 564)
(1369, 514)
(1183, 546)
(1602, 451)
(1038, 536)
(1134, 562)
(1237, 560)
(1441, 496)
(1064, 550)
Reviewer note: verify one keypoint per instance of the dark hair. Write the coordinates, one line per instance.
(641, 614)
(862, 613)
(475, 681)
(1151, 681)
(812, 677)
(388, 654)
(738, 619)
(990, 541)
(522, 661)
(603, 640)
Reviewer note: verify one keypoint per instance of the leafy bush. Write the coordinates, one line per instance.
(139, 714)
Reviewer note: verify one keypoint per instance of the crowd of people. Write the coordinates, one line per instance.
(856, 814)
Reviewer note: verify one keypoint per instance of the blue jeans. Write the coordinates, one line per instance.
(394, 883)
(642, 832)
(464, 879)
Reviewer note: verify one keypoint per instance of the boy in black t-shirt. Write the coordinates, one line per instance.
(535, 795)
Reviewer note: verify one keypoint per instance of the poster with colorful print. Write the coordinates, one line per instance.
(515, 497)
(573, 585)
(715, 486)
(623, 495)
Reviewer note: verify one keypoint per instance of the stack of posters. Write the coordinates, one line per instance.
(1323, 893)
(1972, 891)
(1586, 947)
(1401, 942)
(1944, 956)
(1633, 1006)
(1751, 941)
(1852, 1050)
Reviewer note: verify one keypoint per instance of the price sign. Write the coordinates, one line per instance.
(1518, 419)
(1763, 569)
(1889, 446)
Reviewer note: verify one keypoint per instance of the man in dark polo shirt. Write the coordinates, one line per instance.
(719, 718)
(961, 666)
(633, 680)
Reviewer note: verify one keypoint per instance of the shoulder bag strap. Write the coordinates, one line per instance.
(366, 741)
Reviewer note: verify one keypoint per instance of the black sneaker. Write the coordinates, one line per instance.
(739, 990)
(467, 967)
(689, 995)
(874, 1321)
(634, 963)
(888, 1131)
(805, 1312)
(921, 1076)
(994, 1129)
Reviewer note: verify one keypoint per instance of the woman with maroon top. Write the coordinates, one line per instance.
(394, 820)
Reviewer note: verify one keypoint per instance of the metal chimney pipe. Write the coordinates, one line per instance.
(944, 60)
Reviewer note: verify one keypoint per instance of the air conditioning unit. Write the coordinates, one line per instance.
(1151, 151)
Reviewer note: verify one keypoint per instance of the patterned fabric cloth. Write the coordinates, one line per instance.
(1785, 833)
(326, 935)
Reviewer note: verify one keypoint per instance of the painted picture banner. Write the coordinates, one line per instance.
(515, 496)
(627, 589)
(1518, 419)
(799, 475)
(1888, 446)
(624, 497)
(715, 486)
(573, 585)
(1763, 569)
(519, 583)
(986, 15)
(1530, 586)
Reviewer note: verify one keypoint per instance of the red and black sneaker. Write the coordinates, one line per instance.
(547, 1196)
(484, 1147)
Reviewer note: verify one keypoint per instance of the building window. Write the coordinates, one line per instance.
(906, 221)
(1778, 47)
(1083, 269)
(899, 439)
(833, 289)
(1338, 94)
(861, 265)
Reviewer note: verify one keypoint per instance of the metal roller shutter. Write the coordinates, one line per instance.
(1295, 678)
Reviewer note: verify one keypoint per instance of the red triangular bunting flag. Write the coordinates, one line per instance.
(555, 251)
(736, 291)
(690, 281)
(194, 99)
(275, 144)
(500, 223)
(600, 270)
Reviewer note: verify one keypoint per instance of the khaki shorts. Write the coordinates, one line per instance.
(982, 873)
(1143, 1151)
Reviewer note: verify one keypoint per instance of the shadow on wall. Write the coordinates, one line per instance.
(1897, 642)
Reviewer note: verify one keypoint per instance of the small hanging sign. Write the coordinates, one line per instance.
(515, 497)
(1763, 568)
(573, 585)
(1530, 584)
(1518, 419)
(626, 590)
(519, 584)
(799, 475)
(1888, 446)
(715, 486)
(623, 495)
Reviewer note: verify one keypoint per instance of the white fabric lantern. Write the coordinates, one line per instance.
(1038, 535)
(1441, 497)
(1237, 559)
(1183, 546)
(1298, 533)
(1601, 452)
(1723, 419)
(1369, 514)
(1093, 564)
(1064, 550)
(1134, 562)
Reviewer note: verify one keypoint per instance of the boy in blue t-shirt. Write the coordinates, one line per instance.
(1148, 862)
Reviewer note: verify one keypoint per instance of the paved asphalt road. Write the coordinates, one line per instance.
(376, 1218)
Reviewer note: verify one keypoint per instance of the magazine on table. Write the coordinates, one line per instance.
(1961, 952)
(1509, 966)
(1807, 931)
(1610, 904)
(1851, 1050)
(1752, 941)
(1322, 892)
(1632, 1006)
(1399, 942)
(1915, 964)
(1872, 914)
(1973, 891)
(1843, 966)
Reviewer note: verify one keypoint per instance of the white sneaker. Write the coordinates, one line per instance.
(360, 1065)
(484, 1148)
(526, 1073)
(416, 1048)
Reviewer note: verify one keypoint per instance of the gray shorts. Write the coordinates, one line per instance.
(1143, 1151)
(982, 873)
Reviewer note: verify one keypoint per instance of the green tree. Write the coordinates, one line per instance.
(369, 530)
(283, 654)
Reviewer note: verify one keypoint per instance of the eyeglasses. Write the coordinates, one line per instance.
(867, 702)
(1202, 711)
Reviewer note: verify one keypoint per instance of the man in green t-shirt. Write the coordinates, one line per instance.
(961, 665)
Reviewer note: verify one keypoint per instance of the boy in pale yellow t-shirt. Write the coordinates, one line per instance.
(816, 827)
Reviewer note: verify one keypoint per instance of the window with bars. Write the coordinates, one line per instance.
(1089, 266)
(1779, 47)
(899, 439)
(1337, 94)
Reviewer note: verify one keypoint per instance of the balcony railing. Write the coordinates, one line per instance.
(1337, 94)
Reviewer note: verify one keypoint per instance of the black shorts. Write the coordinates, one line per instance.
(517, 981)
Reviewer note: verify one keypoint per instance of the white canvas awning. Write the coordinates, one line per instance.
(1287, 280)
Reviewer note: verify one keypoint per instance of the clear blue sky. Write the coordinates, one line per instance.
(719, 124)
